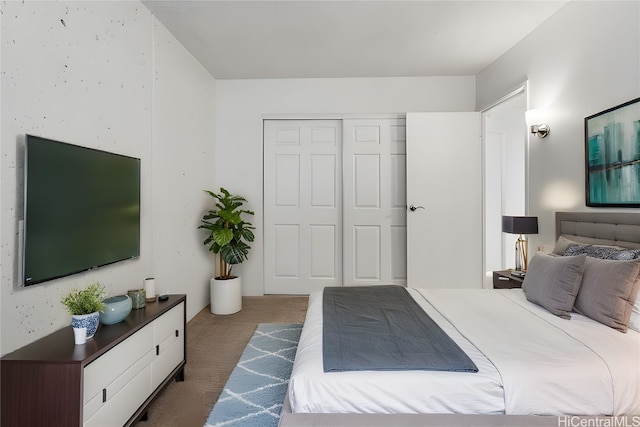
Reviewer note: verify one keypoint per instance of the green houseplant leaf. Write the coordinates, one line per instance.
(228, 232)
(85, 301)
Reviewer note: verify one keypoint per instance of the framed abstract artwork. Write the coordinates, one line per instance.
(612, 156)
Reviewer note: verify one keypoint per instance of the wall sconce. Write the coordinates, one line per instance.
(536, 119)
(542, 130)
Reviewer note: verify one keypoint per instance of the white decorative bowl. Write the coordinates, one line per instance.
(115, 310)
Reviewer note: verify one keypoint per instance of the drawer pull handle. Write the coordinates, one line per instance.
(177, 333)
(503, 278)
(157, 349)
(104, 395)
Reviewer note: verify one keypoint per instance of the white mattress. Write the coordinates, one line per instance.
(529, 361)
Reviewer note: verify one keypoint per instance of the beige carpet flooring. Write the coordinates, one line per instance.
(214, 346)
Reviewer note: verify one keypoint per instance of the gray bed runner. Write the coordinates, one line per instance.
(382, 328)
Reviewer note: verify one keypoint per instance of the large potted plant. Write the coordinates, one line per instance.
(85, 306)
(228, 235)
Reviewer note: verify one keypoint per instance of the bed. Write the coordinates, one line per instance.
(526, 353)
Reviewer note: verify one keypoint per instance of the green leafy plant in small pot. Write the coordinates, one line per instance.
(228, 235)
(85, 306)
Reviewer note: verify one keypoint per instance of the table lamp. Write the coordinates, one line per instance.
(520, 225)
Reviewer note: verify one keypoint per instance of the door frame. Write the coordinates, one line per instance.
(520, 89)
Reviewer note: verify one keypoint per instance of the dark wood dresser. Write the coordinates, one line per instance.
(110, 380)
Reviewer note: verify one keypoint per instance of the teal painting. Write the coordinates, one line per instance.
(612, 152)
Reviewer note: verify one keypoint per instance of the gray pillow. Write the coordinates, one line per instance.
(561, 245)
(553, 282)
(608, 291)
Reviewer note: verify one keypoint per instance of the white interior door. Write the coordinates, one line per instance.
(444, 184)
(302, 205)
(374, 215)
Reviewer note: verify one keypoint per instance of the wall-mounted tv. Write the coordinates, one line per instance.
(82, 209)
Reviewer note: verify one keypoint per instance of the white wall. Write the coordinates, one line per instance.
(84, 73)
(582, 60)
(183, 135)
(241, 104)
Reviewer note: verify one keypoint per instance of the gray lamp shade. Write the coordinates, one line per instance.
(520, 224)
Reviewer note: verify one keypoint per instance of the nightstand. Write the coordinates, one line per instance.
(504, 280)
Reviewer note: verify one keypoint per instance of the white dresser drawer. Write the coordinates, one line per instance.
(169, 339)
(118, 409)
(111, 391)
(167, 325)
(104, 370)
(171, 354)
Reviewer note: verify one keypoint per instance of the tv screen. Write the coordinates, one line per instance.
(82, 209)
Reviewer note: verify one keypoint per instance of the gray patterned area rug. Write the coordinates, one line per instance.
(257, 386)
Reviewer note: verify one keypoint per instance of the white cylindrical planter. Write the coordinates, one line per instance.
(226, 295)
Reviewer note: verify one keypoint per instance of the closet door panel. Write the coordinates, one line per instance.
(335, 196)
(302, 205)
(374, 215)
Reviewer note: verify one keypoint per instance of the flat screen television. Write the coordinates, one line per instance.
(81, 209)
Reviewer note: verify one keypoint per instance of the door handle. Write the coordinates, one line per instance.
(414, 208)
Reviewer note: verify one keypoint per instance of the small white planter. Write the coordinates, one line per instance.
(80, 335)
(226, 295)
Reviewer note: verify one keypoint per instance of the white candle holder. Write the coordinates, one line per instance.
(150, 288)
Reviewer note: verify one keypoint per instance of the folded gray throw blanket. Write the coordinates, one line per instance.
(383, 328)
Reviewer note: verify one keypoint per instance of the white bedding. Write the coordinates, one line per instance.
(530, 362)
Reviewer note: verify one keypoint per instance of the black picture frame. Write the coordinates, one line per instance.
(612, 156)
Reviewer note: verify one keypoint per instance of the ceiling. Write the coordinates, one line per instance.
(315, 39)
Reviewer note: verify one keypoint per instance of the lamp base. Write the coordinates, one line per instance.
(518, 273)
(521, 254)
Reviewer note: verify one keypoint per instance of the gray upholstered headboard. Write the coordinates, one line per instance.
(605, 228)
